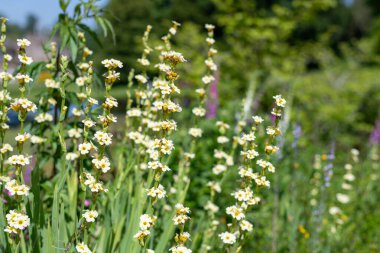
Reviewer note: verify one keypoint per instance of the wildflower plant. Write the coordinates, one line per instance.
(86, 172)
(245, 196)
(17, 219)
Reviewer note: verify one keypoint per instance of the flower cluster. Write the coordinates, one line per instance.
(17, 221)
(146, 222)
(180, 219)
(16, 189)
(153, 112)
(82, 248)
(244, 196)
(343, 198)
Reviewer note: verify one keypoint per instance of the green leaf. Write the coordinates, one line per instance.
(65, 37)
(110, 27)
(73, 49)
(91, 33)
(100, 21)
(54, 31)
(3, 239)
(55, 220)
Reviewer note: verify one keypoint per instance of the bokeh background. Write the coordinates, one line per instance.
(323, 54)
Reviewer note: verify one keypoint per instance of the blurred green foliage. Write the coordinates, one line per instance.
(323, 53)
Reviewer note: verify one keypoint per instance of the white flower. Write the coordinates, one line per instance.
(80, 81)
(23, 78)
(348, 167)
(37, 139)
(243, 195)
(83, 66)
(84, 148)
(111, 76)
(6, 76)
(8, 57)
(249, 154)
(21, 138)
(261, 181)
(25, 59)
(342, 198)
(71, 156)
(50, 83)
(23, 104)
(201, 92)
(146, 221)
(88, 123)
(112, 63)
(181, 214)
(209, 26)
(92, 184)
(281, 102)
(140, 235)
(211, 64)
(164, 145)
(143, 61)
(257, 119)
(23, 43)
(219, 168)
(248, 137)
(355, 152)
(162, 67)
(173, 57)
(246, 225)
(75, 133)
(349, 177)
(346, 186)
(270, 149)
(102, 164)
(173, 30)
(236, 212)
(16, 189)
(92, 101)
(195, 132)
(103, 138)
(142, 79)
(134, 112)
(82, 248)
(214, 186)
(334, 210)
(199, 111)
(180, 249)
(18, 160)
(167, 106)
(16, 221)
(77, 112)
(211, 207)
(43, 117)
(266, 165)
(210, 41)
(270, 131)
(222, 139)
(207, 79)
(110, 103)
(6, 148)
(158, 192)
(228, 238)
(90, 215)
(180, 219)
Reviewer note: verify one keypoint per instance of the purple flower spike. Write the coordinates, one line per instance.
(375, 135)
